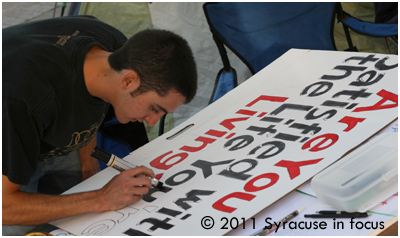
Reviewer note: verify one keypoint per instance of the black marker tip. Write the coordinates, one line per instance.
(159, 185)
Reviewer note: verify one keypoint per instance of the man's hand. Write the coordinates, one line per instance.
(20, 208)
(125, 188)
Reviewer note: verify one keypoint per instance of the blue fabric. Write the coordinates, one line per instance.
(111, 146)
(112, 121)
(225, 83)
(371, 29)
(114, 147)
(260, 32)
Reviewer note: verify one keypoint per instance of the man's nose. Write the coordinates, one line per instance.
(152, 120)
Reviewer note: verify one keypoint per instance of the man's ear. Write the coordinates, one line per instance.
(130, 80)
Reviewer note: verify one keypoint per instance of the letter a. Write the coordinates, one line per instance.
(385, 97)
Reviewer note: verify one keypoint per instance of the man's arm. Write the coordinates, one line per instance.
(90, 165)
(20, 208)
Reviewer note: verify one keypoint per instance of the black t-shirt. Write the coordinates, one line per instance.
(47, 109)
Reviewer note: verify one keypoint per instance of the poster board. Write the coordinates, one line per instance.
(253, 146)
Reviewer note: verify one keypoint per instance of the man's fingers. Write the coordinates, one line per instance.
(140, 191)
(140, 170)
(141, 181)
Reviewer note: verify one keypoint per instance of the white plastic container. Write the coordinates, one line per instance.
(362, 177)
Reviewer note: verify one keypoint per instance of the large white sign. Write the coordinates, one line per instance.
(253, 146)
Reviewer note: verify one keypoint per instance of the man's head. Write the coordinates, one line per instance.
(157, 74)
(162, 60)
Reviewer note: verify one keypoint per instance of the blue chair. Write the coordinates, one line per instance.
(260, 32)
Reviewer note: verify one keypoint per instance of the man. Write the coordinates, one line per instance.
(59, 77)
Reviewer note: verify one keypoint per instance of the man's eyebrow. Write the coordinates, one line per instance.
(161, 108)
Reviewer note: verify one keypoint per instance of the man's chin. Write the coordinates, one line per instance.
(133, 121)
(124, 121)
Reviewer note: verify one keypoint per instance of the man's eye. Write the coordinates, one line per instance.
(154, 109)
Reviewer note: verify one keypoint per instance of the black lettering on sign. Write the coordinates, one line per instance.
(192, 196)
(133, 232)
(272, 148)
(320, 89)
(156, 223)
(241, 175)
(205, 166)
(148, 198)
(244, 141)
(348, 70)
(171, 181)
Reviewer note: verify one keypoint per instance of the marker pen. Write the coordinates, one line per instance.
(120, 164)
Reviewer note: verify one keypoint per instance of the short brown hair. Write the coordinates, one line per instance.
(163, 61)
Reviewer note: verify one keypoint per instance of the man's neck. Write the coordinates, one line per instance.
(97, 72)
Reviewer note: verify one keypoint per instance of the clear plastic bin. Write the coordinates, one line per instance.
(362, 177)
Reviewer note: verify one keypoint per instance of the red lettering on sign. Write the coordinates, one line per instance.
(216, 133)
(249, 187)
(228, 122)
(332, 137)
(267, 98)
(205, 141)
(385, 97)
(219, 205)
(294, 166)
(246, 112)
(156, 163)
(351, 122)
